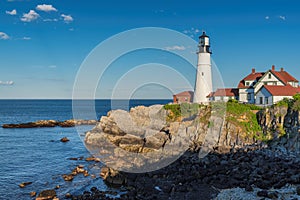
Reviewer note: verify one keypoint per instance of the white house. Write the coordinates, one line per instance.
(267, 88)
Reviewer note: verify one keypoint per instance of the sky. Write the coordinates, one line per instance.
(44, 45)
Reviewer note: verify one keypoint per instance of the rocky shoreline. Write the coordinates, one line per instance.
(234, 162)
(51, 123)
(259, 172)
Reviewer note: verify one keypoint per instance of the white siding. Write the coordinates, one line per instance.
(267, 80)
(243, 95)
(294, 84)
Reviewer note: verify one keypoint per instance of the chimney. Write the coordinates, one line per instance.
(273, 67)
(281, 69)
(253, 70)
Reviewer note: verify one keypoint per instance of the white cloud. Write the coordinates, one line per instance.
(282, 17)
(30, 16)
(50, 20)
(3, 36)
(267, 17)
(6, 83)
(13, 12)
(175, 47)
(46, 8)
(52, 66)
(26, 38)
(67, 18)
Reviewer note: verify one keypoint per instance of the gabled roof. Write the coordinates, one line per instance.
(251, 77)
(286, 90)
(284, 76)
(185, 93)
(228, 92)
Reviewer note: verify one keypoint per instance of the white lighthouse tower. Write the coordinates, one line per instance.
(203, 85)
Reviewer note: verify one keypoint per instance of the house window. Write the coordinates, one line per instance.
(222, 98)
(266, 100)
(249, 96)
(260, 100)
(247, 83)
(270, 76)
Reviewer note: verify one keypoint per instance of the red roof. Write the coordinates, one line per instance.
(228, 92)
(284, 76)
(185, 93)
(286, 90)
(251, 77)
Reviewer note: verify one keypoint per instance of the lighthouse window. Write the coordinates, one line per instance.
(202, 73)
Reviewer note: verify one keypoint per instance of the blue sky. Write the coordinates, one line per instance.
(44, 43)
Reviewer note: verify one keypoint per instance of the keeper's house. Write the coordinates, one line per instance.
(267, 88)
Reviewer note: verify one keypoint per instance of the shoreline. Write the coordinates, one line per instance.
(217, 176)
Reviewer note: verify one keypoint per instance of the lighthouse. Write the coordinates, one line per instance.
(203, 85)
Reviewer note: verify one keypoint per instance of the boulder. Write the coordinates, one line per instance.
(46, 195)
(64, 139)
(112, 176)
(33, 194)
(24, 184)
(69, 177)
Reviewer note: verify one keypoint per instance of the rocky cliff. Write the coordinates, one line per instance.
(281, 126)
(153, 137)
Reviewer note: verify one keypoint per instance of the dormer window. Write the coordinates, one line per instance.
(247, 83)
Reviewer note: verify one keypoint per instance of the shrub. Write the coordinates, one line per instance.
(296, 105)
(285, 102)
(296, 97)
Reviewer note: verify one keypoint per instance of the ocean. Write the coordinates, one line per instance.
(37, 155)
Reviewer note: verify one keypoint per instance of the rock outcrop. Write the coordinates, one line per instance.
(146, 137)
(46, 195)
(51, 123)
(281, 125)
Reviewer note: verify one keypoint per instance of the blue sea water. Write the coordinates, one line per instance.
(37, 155)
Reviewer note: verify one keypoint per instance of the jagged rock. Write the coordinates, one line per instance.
(69, 177)
(51, 123)
(112, 176)
(24, 184)
(33, 194)
(37, 124)
(93, 159)
(46, 195)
